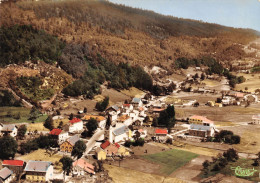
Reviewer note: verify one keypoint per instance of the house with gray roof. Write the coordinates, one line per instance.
(137, 102)
(39, 171)
(9, 129)
(120, 133)
(6, 175)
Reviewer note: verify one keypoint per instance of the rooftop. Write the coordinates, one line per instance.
(120, 130)
(105, 145)
(37, 166)
(13, 162)
(75, 120)
(72, 140)
(98, 118)
(136, 100)
(9, 127)
(82, 163)
(55, 131)
(123, 118)
(202, 118)
(5, 173)
(161, 131)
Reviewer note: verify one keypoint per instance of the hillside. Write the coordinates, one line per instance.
(121, 33)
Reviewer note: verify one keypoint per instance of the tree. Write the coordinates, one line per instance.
(85, 110)
(206, 165)
(84, 134)
(78, 149)
(92, 125)
(167, 117)
(60, 125)
(21, 131)
(71, 116)
(34, 114)
(8, 147)
(66, 164)
(202, 77)
(49, 123)
(102, 105)
(231, 155)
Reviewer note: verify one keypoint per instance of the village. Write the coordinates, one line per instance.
(122, 129)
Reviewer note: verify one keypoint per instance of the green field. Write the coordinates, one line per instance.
(243, 163)
(171, 160)
(14, 111)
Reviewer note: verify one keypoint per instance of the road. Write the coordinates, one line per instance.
(99, 135)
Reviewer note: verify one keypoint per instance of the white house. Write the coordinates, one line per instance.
(113, 115)
(114, 108)
(10, 129)
(76, 125)
(127, 108)
(6, 175)
(60, 134)
(256, 119)
(39, 171)
(119, 133)
(100, 119)
(137, 102)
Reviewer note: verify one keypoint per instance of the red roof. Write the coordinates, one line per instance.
(161, 131)
(75, 120)
(85, 165)
(105, 144)
(13, 162)
(55, 131)
(126, 105)
(117, 145)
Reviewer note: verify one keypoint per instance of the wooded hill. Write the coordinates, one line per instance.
(121, 33)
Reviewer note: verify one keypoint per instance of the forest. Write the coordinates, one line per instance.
(22, 42)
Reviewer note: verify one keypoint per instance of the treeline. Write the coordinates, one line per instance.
(97, 71)
(214, 67)
(22, 42)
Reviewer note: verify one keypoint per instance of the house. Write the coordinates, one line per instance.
(159, 133)
(76, 125)
(142, 111)
(125, 119)
(157, 110)
(68, 145)
(81, 166)
(101, 154)
(211, 103)
(200, 126)
(256, 119)
(6, 175)
(113, 115)
(112, 149)
(16, 166)
(218, 105)
(9, 129)
(137, 102)
(114, 108)
(100, 119)
(59, 134)
(39, 171)
(128, 108)
(122, 151)
(118, 134)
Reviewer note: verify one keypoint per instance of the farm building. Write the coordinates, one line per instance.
(137, 102)
(6, 175)
(256, 119)
(9, 129)
(201, 126)
(120, 133)
(81, 166)
(16, 166)
(39, 171)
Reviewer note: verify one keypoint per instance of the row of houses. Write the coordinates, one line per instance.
(39, 171)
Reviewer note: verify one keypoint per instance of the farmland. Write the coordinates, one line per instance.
(171, 160)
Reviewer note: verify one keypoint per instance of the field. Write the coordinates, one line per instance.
(133, 92)
(249, 138)
(36, 126)
(40, 155)
(252, 82)
(211, 83)
(14, 111)
(171, 160)
(133, 176)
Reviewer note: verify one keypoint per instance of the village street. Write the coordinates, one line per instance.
(99, 135)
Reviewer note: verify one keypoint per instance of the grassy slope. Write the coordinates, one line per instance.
(24, 112)
(171, 160)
